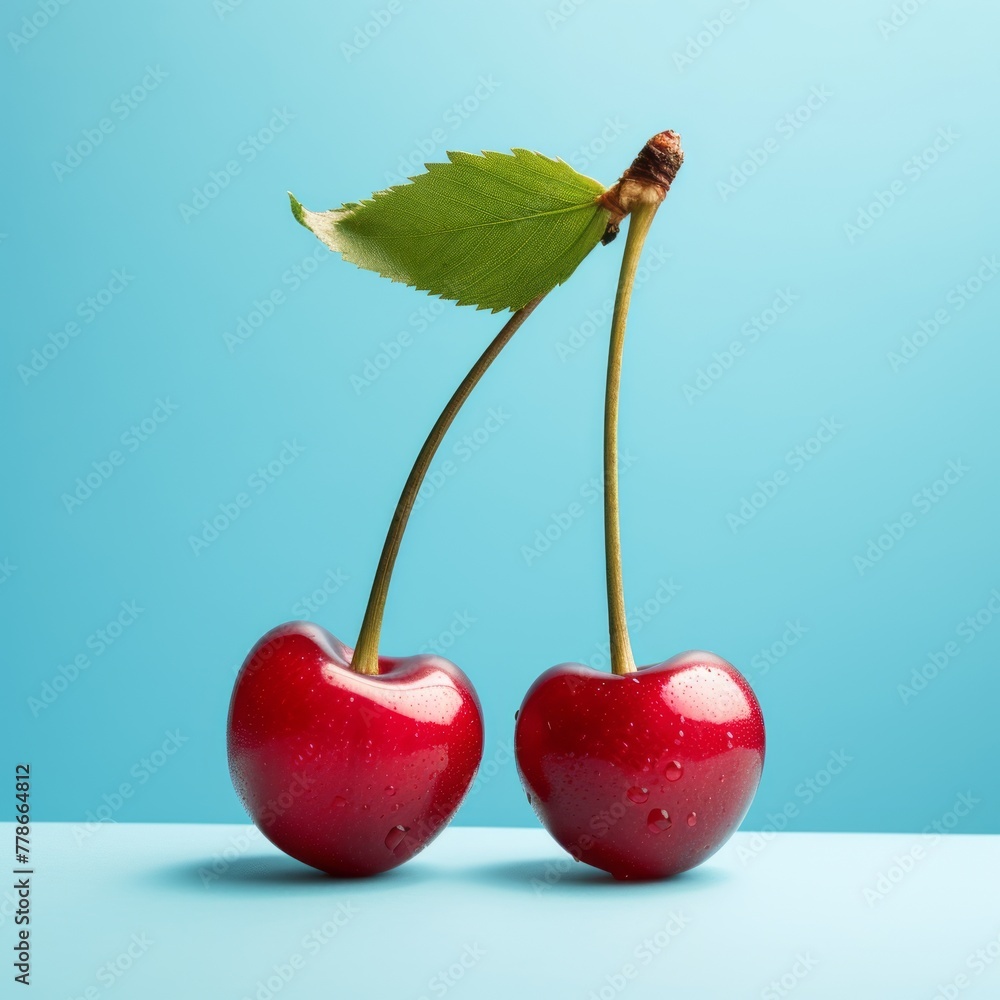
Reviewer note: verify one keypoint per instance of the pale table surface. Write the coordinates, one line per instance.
(215, 912)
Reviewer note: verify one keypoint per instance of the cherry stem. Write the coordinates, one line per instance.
(641, 217)
(365, 659)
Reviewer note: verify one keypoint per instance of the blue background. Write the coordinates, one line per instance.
(589, 84)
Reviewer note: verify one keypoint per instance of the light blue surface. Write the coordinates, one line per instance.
(154, 912)
(589, 84)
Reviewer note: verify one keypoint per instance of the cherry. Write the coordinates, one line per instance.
(644, 774)
(647, 771)
(345, 759)
(348, 772)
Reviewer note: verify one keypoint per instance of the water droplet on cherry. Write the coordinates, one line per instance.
(340, 802)
(658, 821)
(390, 790)
(638, 795)
(395, 837)
(673, 771)
(692, 819)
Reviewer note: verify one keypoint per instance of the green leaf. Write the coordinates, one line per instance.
(492, 230)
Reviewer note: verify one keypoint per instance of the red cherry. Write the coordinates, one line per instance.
(350, 773)
(644, 774)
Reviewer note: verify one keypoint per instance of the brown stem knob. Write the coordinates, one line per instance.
(647, 180)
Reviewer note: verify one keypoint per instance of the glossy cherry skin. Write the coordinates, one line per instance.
(643, 775)
(350, 773)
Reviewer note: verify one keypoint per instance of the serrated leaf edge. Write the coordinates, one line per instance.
(323, 224)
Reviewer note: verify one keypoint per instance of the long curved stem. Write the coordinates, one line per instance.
(365, 660)
(622, 661)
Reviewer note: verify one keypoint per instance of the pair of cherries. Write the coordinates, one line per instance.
(643, 775)
(352, 762)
